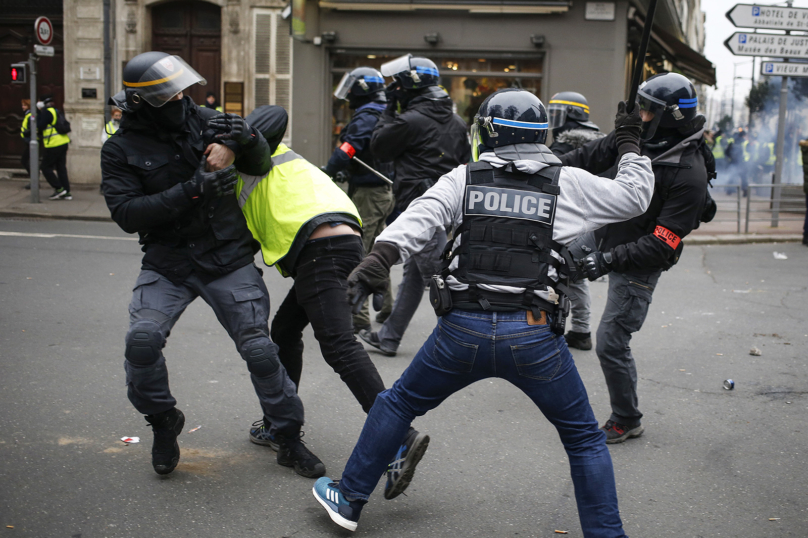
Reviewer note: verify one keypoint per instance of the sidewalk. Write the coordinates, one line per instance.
(88, 204)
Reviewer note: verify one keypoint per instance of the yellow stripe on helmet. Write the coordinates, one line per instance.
(153, 82)
(585, 107)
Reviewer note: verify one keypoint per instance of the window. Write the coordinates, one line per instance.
(468, 78)
(273, 62)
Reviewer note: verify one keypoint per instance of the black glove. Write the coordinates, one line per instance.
(218, 183)
(371, 275)
(597, 264)
(627, 129)
(341, 177)
(232, 127)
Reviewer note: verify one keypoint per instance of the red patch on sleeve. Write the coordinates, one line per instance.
(348, 149)
(667, 236)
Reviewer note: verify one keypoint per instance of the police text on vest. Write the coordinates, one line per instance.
(510, 203)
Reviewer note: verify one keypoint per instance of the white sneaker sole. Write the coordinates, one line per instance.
(335, 517)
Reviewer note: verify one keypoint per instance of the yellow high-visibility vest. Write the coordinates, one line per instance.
(718, 149)
(278, 205)
(25, 130)
(110, 128)
(50, 136)
(772, 155)
(746, 155)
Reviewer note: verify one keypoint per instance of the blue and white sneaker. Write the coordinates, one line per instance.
(259, 434)
(401, 469)
(343, 512)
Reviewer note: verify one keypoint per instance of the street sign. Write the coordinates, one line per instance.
(768, 17)
(777, 45)
(783, 69)
(43, 29)
(42, 50)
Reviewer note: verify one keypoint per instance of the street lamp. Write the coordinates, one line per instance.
(734, 78)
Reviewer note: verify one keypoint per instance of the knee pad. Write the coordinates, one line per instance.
(261, 357)
(143, 343)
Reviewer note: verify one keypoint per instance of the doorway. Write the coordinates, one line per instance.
(192, 30)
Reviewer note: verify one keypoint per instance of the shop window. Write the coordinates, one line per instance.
(468, 79)
(273, 62)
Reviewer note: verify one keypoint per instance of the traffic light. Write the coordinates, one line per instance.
(19, 73)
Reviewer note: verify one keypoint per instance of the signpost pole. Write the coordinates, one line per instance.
(781, 139)
(33, 144)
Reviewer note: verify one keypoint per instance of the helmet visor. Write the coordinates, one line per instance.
(557, 114)
(399, 65)
(164, 80)
(344, 86)
(655, 108)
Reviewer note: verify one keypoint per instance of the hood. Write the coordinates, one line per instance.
(578, 137)
(528, 158)
(271, 121)
(434, 103)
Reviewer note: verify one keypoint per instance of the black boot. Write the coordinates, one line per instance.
(165, 450)
(579, 340)
(292, 452)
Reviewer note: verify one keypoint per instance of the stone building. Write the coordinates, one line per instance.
(245, 51)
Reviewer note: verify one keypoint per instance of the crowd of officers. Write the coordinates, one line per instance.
(503, 230)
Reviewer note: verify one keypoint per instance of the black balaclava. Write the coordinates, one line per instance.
(171, 116)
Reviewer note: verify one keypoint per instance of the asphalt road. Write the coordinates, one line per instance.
(711, 463)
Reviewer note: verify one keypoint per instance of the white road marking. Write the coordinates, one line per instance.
(51, 236)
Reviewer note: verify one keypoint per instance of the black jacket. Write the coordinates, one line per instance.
(651, 241)
(570, 139)
(425, 141)
(143, 168)
(357, 135)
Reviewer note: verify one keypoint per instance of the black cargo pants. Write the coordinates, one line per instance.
(241, 303)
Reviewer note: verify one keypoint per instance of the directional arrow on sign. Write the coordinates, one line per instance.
(783, 69)
(768, 17)
(779, 45)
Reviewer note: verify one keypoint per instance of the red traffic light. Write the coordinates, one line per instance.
(19, 73)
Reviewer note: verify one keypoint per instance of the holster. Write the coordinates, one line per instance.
(439, 295)
(559, 323)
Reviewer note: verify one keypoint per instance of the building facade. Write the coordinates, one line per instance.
(245, 50)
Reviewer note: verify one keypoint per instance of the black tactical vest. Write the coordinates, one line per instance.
(506, 238)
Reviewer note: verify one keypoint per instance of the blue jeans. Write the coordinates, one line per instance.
(469, 346)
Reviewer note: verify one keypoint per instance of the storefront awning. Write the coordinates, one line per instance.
(536, 7)
(692, 63)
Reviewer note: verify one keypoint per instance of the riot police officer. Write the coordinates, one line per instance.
(635, 252)
(425, 141)
(500, 296)
(363, 88)
(571, 127)
(169, 174)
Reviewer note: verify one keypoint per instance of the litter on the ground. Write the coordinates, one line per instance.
(192, 430)
(742, 291)
(729, 384)
(780, 256)
(774, 519)
(561, 532)
(128, 440)
(755, 352)
(9, 526)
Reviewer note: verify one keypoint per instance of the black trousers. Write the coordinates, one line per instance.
(26, 159)
(319, 296)
(56, 158)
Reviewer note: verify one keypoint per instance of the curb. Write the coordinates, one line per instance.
(742, 239)
(49, 216)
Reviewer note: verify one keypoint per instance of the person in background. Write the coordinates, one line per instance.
(212, 102)
(25, 133)
(363, 88)
(112, 125)
(54, 157)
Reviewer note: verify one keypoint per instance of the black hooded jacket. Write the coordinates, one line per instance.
(652, 241)
(425, 141)
(143, 167)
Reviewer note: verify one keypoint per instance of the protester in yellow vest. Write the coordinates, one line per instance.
(112, 125)
(310, 230)
(25, 133)
(54, 156)
(212, 102)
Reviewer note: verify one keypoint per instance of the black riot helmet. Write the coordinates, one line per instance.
(569, 106)
(412, 72)
(155, 78)
(508, 117)
(360, 86)
(672, 99)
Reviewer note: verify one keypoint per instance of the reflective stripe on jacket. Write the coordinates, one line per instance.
(50, 136)
(278, 205)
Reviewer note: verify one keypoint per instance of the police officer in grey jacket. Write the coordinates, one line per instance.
(500, 296)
